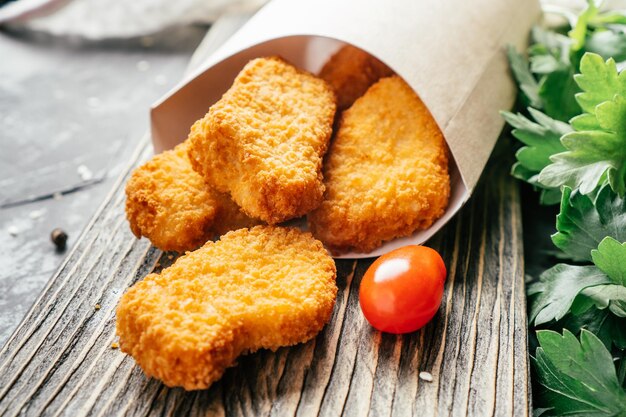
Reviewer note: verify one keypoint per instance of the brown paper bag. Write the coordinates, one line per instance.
(451, 52)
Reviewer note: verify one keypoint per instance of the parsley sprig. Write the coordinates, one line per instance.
(575, 289)
(571, 125)
(596, 150)
(578, 376)
(583, 222)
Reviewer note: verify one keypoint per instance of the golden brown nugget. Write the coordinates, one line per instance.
(264, 287)
(171, 204)
(350, 72)
(264, 140)
(387, 171)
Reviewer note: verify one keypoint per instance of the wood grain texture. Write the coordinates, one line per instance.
(60, 360)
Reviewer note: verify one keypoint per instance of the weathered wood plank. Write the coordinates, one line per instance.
(60, 361)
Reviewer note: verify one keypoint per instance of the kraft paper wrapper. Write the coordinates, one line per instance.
(452, 53)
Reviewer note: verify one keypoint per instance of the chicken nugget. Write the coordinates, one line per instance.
(264, 140)
(173, 206)
(387, 171)
(264, 287)
(350, 72)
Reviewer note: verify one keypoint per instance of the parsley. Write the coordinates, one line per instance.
(554, 59)
(604, 324)
(610, 258)
(578, 33)
(542, 139)
(583, 223)
(558, 91)
(599, 81)
(596, 150)
(609, 296)
(558, 287)
(572, 129)
(568, 288)
(554, 63)
(525, 80)
(578, 377)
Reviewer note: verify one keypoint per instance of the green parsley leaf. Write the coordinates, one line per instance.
(542, 137)
(578, 33)
(553, 294)
(555, 59)
(524, 78)
(579, 376)
(608, 17)
(557, 91)
(581, 225)
(550, 58)
(548, 196)
(609, 296)
(572, 289)
(548, 42)
(610, 257)
(599, 81)
(604, 324)
(596, 151)
(544, 64)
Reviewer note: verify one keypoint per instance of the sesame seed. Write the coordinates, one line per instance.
(426, 376)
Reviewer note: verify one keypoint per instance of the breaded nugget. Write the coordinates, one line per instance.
(264, 287)
(171, 204)
(350, 72)
(387, 171)
(264, 140)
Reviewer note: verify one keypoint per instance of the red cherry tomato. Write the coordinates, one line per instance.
(401, 291)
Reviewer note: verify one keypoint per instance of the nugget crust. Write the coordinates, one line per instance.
(167, 202)
(350, 72)
(387, 171)
(264, 140)
(170, 204)
(264, 287)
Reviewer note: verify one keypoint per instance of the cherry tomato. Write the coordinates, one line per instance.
(401, 291)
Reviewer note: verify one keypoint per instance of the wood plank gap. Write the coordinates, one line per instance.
(452, 268)
(89, 404)
(479, 286)
(457, 350)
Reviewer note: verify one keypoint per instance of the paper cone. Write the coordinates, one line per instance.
(451, 52)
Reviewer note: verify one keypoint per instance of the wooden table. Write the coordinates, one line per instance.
(60, 360)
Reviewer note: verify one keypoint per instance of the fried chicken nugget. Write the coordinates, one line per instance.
(171, 204)
(264, 287)
(387, 171)
(264, 140)
(350, 72)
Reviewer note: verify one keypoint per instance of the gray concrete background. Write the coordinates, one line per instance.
(71, 113)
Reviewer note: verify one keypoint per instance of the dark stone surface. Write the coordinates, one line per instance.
(64, 104)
